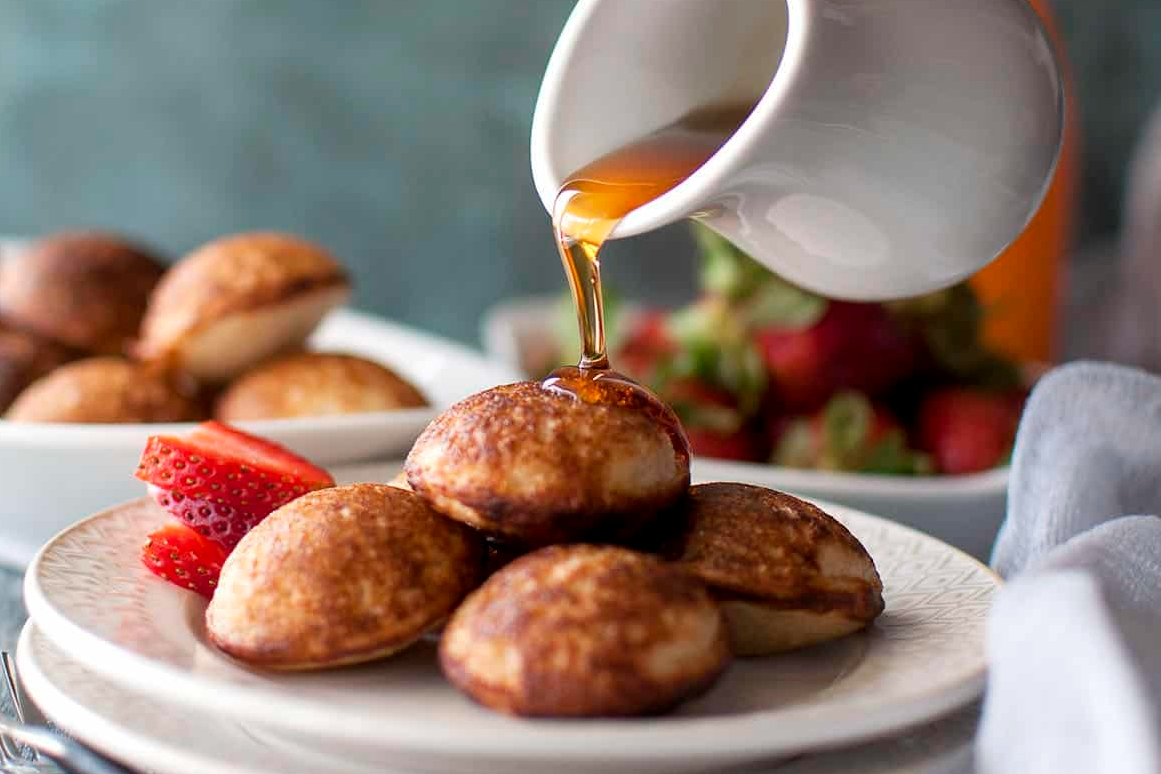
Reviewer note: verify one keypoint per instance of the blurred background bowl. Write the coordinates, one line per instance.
(965, 511)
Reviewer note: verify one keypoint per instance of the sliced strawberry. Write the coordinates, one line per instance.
(222, 481)
(184, 558)
(967, 429)
(215, 520)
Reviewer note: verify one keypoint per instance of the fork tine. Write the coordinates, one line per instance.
(10, 751)
(11, 683)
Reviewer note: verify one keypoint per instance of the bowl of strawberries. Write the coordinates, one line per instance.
(898, 408)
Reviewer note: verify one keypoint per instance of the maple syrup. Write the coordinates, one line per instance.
(589, 205)
(606, 387)
(594, 199)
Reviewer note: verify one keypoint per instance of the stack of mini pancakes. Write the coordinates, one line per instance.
(95, 329)
(559, 544)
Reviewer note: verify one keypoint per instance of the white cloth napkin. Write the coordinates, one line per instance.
(1074, 642)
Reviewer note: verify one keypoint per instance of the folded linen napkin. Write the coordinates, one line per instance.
(1074, 640)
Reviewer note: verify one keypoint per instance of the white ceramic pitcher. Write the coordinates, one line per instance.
(896, 146)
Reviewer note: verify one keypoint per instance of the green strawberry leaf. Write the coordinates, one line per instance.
(762, 297)
(890, 456)
(846, 429)
(779, 304)
(950, 322)
(725, 269)
(714, 348)
(848, 424)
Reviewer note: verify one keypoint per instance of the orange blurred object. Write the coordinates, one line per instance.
(1024, 287)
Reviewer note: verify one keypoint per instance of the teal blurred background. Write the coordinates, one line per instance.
(393, 131)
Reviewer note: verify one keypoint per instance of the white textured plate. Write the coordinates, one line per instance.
(100, 459)
(145, 731)
(88, 593)
(965, 511)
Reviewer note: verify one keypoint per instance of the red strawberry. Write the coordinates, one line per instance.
(712, 421)
(968, 429)
(184, 558)
(853, 347)
(741, 445)
(222, 481)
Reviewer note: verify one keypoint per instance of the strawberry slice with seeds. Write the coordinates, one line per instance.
(222, 482)
(217, 521)
(184, 558)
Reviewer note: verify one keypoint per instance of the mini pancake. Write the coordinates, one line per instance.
(585, 631)
(84, 289)
(24, 358)
(237, 301)
(786, 574)
(310, 384)
(341, 576)
(105, 390)
(534, 465)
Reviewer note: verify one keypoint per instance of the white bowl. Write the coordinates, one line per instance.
(965, 511)
(53, 474)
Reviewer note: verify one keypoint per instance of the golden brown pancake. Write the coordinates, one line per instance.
(583, 631)
(24, 358)
(309, 384)
(785, 573)
(341, 576)
(105, 390)
(534, 465)
(237, 301)
(84, 289)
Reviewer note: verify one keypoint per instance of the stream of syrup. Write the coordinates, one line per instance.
(594, 199)
(588, 207)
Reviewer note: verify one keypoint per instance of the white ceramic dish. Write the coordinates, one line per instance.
(147, 732)
(89, 594)
(965, 511)
(53, 474)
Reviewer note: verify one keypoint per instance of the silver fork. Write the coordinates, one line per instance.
(69, 755)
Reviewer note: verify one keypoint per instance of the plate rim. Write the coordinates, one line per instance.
(627, 741)
(97, 729)
(126, 740)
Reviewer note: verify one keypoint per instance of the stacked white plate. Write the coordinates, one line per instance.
(120, 660)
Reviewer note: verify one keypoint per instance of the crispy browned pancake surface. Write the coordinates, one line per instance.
(84, 289)
(339, 576)
(104, 390)
(535, 466)
(774, 553)
(585, 631)
(308, 384)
